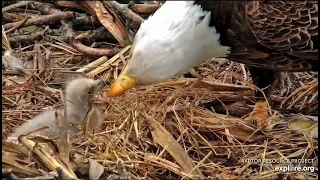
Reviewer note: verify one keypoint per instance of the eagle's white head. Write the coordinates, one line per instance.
(172, 41)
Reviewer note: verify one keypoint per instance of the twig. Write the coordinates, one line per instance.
(295, 92)
(201, 162)
(46, 8)
(19, 4)
(69, 4)
(11, 72)
(92, 51)
(45, 157)
(93, 64)
(9, 17)
(25, 39)
(107, 64)
(38, 59)
(108, 19)
(303, 94)
(21, 23)
(194, 73)
(243, 68)
(70, 35)
(64, 139)
(5, 41)
(144, 8)
(97, 34)
(84, 19)
(125, 11)
(47, 19)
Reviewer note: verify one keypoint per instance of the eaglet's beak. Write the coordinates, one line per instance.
(122, 84)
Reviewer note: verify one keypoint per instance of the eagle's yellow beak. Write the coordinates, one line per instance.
(120, 86)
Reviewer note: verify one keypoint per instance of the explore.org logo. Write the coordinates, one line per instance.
(289, 168)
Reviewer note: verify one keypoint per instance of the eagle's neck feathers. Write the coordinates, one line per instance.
(177, 37)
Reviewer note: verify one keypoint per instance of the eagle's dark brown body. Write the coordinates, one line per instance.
(268, 36)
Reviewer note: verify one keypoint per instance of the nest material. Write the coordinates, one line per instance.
(151, 128)
(182, 128)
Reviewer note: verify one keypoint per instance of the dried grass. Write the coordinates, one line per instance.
(137, 125)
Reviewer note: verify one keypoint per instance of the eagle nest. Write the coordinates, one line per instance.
(182, 128)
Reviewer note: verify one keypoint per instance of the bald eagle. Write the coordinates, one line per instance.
(267, 36)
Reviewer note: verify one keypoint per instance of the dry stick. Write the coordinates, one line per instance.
(47, 159)
(5, 41)
(35, 56)
(194, 73)
(21, 23)
(97, 34)
(125, 11)
(144, 8)
(46, 8)
(25, 39)
(93, 64)
(200, 163)
(293, 94)
(84, 19)
(41, 63)
(64, 145)
(38, 59)
(245, 77)
(313, 97)
(302, 95)
(69, 4)
(109, 19)
(19, 4)
(47, 19)
(70, 35)
(172, 147)
(107, 64)
(92, 51)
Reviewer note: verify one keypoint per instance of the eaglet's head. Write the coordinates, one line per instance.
(172, 41)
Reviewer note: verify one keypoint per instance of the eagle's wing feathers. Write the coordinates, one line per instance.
(276, 35)
(291, 28)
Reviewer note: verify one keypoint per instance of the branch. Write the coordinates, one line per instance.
(145, 8)
(69, 4)
(69, 34)
(19, 4)
(21, 23)
(47, 19)
(125, 11)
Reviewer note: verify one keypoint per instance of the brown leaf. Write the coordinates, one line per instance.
(166, 140)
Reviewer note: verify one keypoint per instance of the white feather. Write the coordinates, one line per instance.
(173, 40)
